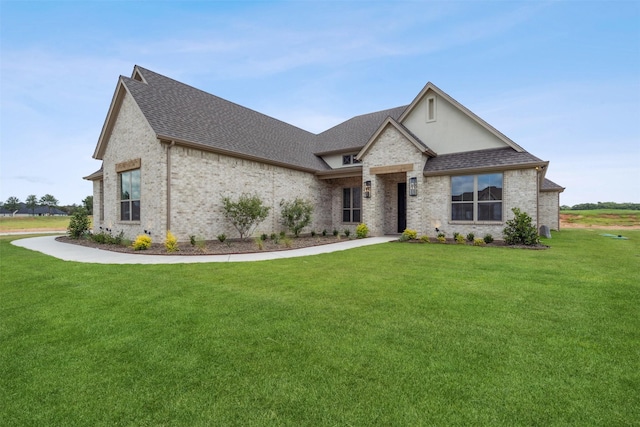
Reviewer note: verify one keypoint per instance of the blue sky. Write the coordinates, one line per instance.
(560, 78)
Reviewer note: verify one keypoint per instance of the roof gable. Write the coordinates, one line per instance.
(389, 121)
(454, 124)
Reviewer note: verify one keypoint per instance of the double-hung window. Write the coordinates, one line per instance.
(351, 204)
(130, 195)
(476, 197)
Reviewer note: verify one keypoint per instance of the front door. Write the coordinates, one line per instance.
(402, 206)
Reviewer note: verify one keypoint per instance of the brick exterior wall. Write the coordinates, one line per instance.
(132, 138)
(200, 179)
(549, 207)
(380, 211)
(519, 190)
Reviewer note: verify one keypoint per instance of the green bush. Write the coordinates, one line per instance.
(171, 242)
(192, 240)
(263, 237)
(410, 234)
(425, 239)
(362, 231)
(460, 239)
(296, 215)
(479, 242)
(347, 232)
(246, 213)
(441, 238)
(324, 233)
(222, 237)
(142, 242)
(336, 233)
(78, 224)
(520, 230)
(488, 238)
(471, 237)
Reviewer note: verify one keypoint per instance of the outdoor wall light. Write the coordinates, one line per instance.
(413, 186)
(367, 189)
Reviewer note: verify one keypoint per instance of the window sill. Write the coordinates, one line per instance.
(129, 222)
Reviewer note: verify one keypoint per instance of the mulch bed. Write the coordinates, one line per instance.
(236, 246)
(213, 247)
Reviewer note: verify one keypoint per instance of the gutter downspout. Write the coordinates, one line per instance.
(169, 146)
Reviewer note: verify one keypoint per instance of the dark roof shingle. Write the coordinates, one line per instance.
(481, 159)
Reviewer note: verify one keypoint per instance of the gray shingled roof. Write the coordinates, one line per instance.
(481, 159)
(548, 185)
(182, 112)
(354, 133)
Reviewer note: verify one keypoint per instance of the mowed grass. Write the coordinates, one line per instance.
(603, 217)
(392, 334)
(8, 223)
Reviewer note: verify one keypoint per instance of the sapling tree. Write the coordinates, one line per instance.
(296, 214)
(245, 213)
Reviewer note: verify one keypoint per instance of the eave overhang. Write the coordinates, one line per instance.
(350, 172)
(540, 166)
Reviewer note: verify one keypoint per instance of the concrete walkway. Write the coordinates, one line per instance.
(48, 245)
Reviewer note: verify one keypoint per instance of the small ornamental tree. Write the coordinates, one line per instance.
(520, 230)
(296, 215)
(246, 213)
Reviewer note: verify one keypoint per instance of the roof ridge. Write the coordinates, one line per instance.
(174, 81)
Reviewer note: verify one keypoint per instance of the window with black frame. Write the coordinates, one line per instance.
(476, 197)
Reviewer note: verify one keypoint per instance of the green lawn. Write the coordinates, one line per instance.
(392, 334)
(608, 217)
(8, 223)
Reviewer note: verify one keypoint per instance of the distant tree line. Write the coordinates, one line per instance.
(601, 205)
(32, 202)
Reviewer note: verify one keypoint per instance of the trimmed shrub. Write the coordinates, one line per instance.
(442, 239)
(296, 215)
(246, 213)
(362, 231)
(171, 242)
(79, 224)
(347, 232)
(425, 239)
(520, 230)
(479, 242)
(460, 239)
(222, 237)
(471, 237)
(142, 242)
(410, 234)
(488, 238)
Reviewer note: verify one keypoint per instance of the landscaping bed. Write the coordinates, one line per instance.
(213, 247)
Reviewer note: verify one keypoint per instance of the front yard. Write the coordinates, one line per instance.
(392, 334)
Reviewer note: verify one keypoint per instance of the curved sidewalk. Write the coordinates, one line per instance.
(48, 245)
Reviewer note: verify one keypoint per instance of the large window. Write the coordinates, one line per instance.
(130, 195)
(476, 197)
(351, 204)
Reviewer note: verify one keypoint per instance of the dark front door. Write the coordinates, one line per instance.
(402, 206)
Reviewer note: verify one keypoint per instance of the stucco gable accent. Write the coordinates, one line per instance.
(431, 87)
(404, 131)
